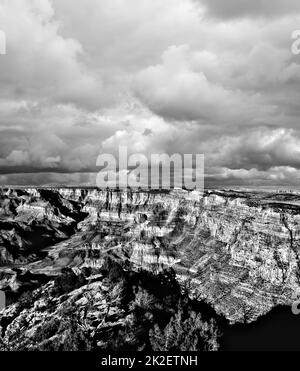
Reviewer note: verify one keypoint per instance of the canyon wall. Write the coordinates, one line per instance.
(237, 251)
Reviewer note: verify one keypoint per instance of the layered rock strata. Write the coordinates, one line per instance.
(237, 251)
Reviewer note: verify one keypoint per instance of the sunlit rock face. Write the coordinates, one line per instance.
(253, 244)
(237, 251)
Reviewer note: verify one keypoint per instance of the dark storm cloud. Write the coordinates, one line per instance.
(230, 9)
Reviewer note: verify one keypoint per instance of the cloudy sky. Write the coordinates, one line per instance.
(215, 77)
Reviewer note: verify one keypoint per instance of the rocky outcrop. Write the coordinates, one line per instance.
(115, 310)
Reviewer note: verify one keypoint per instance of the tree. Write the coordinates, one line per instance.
(190, 334)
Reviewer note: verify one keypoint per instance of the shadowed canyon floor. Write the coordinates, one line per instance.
(235, 252)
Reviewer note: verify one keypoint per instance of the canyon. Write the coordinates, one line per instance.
(235, 251)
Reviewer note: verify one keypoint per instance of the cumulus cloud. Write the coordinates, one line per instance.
(287, 177)
(180, 88)
(260, 149)
(40, 63)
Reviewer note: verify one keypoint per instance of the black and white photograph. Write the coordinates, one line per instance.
(149, 178)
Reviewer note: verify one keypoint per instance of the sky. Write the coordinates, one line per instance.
(212, 77)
